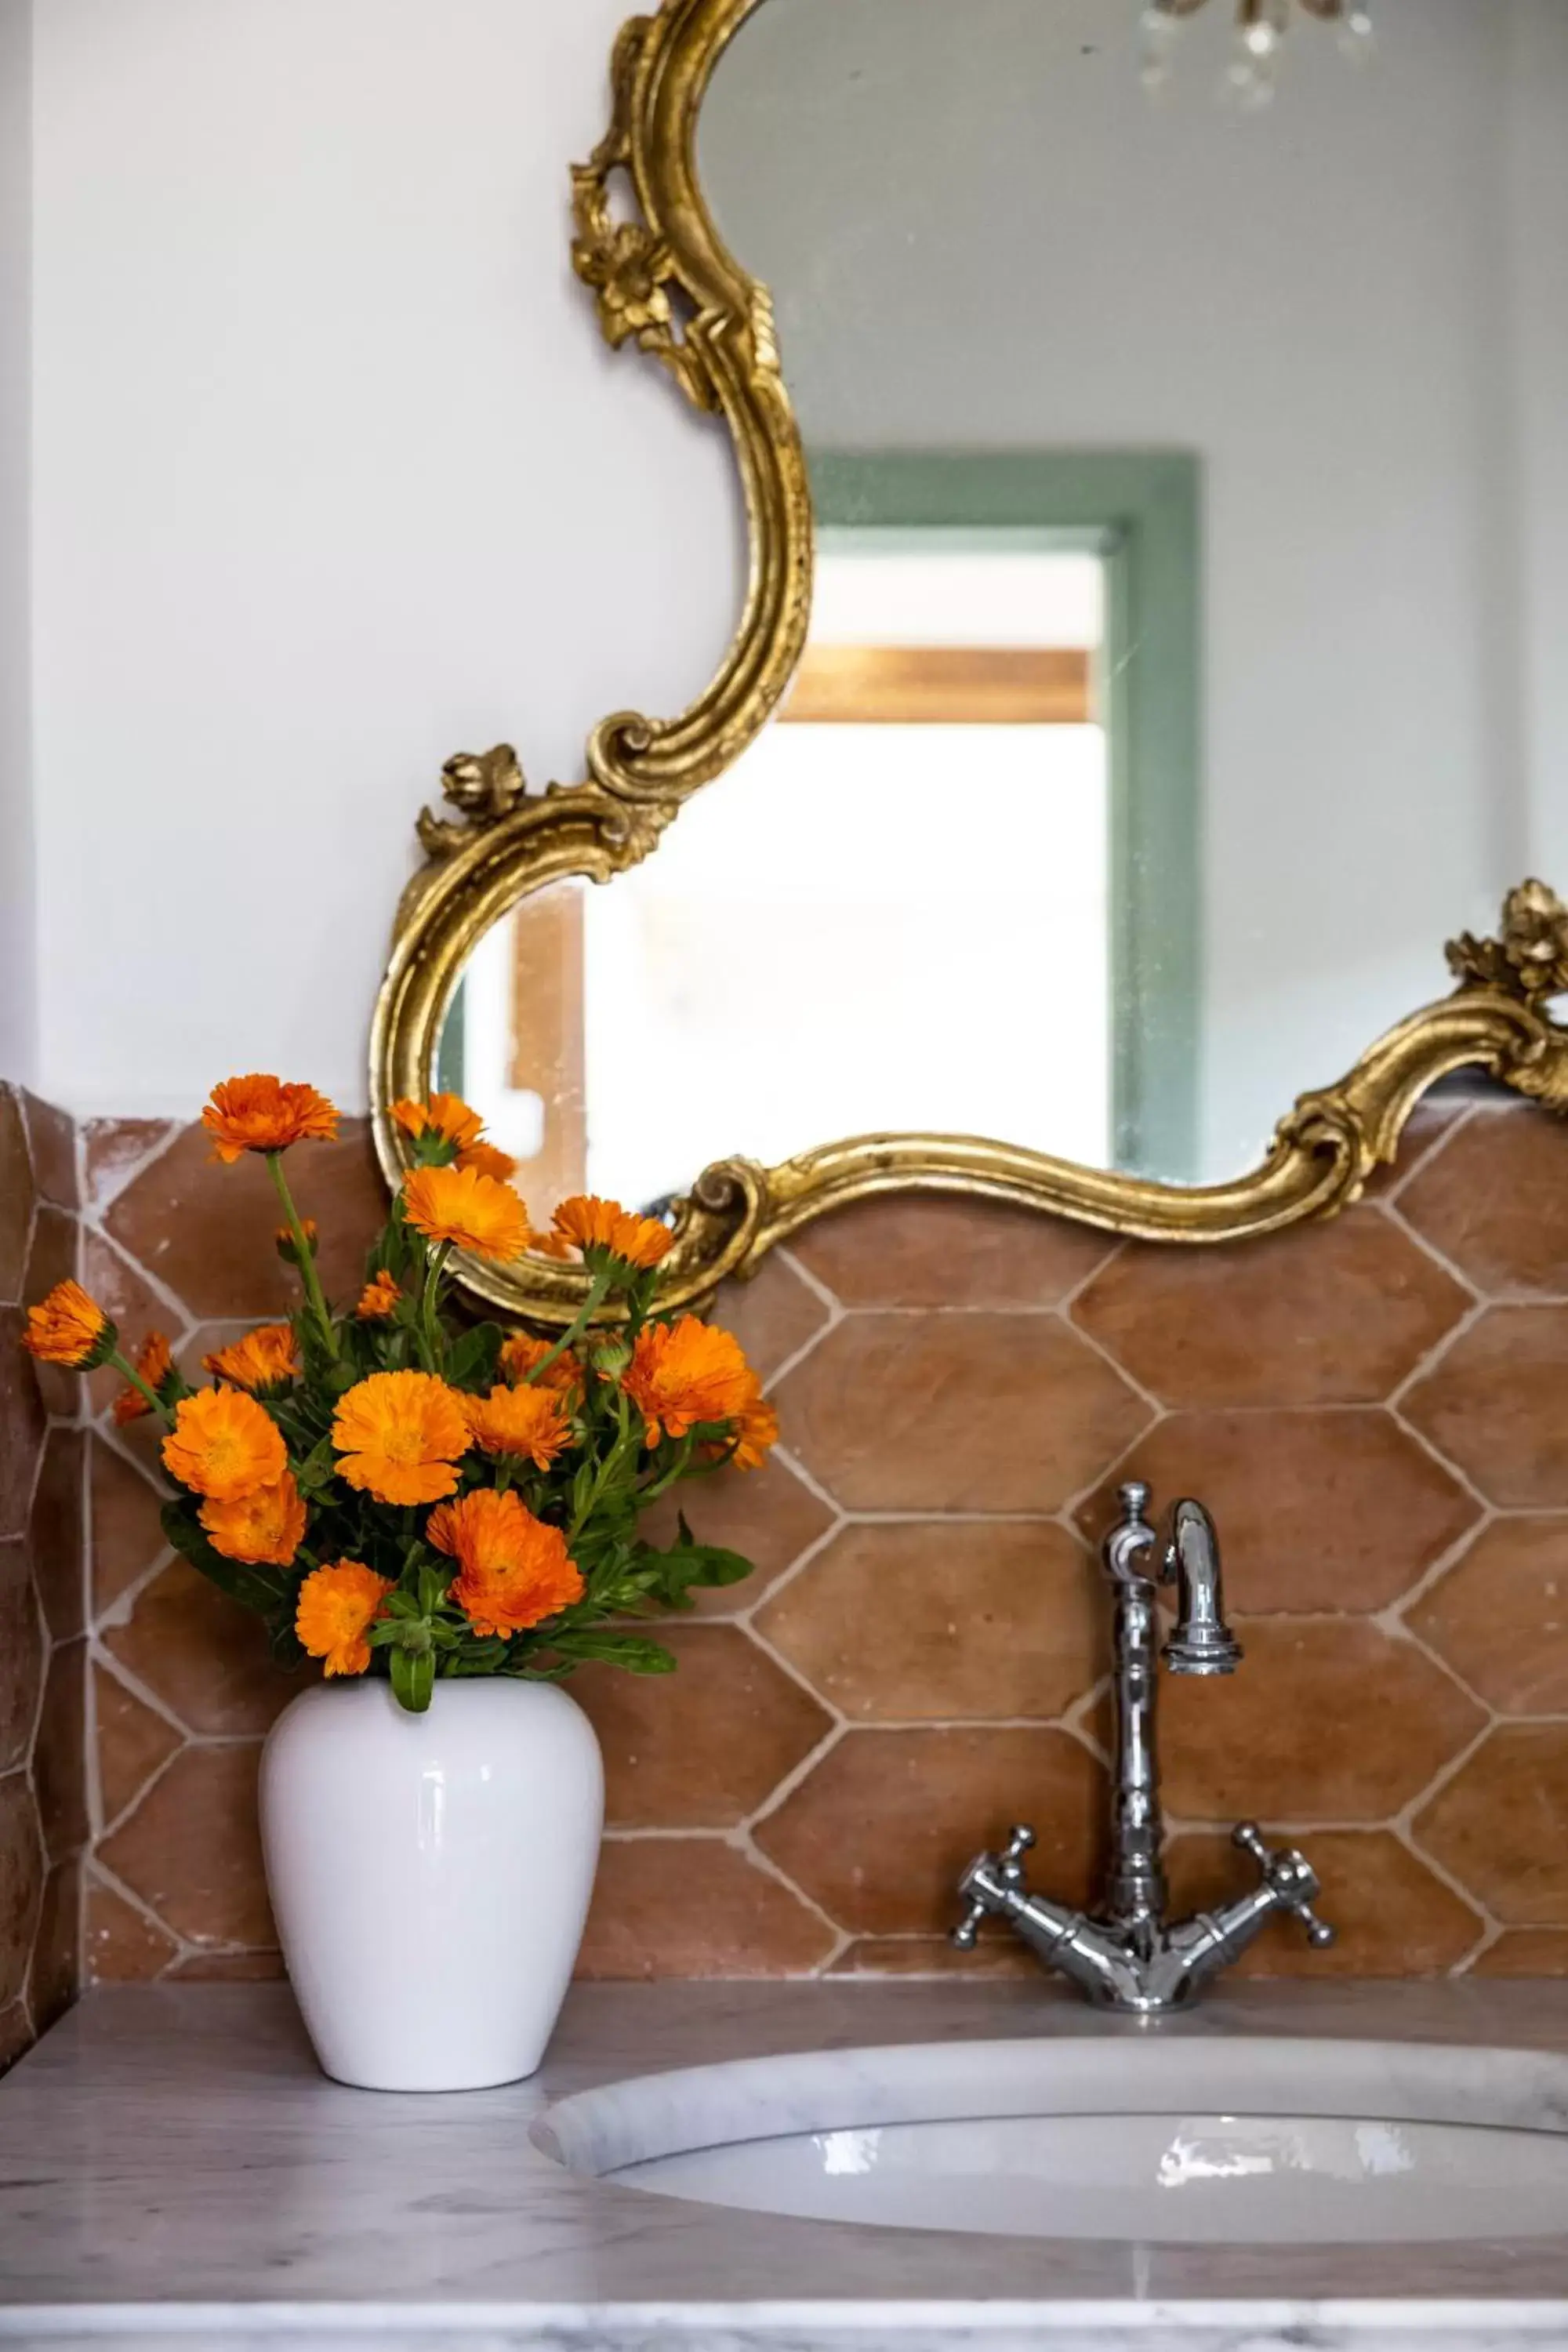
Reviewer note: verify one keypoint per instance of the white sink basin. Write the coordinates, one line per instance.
(1186, 2140)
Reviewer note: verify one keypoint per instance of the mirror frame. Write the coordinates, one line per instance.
(665, 286)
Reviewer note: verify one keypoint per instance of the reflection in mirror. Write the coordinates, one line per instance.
(1335, 732)
(800, 960)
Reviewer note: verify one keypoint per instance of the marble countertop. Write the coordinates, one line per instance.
(173, 2166)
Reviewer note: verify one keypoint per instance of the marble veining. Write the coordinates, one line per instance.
(173, 2166)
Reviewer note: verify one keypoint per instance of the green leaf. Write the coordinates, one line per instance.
(471, 1363)
(268, 1590)
(318, 1469)
(413, 1680)
(287, 1650)
(609, 1648)
(673, 1573)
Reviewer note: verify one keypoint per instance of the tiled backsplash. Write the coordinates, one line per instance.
(43, 1649)
(1375, 1409)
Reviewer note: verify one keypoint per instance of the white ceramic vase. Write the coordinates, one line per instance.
(430, 1875)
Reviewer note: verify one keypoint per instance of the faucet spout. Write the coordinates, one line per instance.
(1128, 1955)
(1202, 1644)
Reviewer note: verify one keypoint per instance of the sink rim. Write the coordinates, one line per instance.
(642, 2117)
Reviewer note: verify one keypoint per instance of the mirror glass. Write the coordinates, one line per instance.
(1185, 662)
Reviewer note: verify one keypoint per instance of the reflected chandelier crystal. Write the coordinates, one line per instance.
(1260, 29)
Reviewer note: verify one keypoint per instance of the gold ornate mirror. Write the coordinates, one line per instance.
(1170, 683)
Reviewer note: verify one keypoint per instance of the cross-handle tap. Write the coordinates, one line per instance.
(1289, 1877)
(1007, 1868)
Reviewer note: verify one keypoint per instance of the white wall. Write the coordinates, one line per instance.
(980, 233)
(1540, 422)
(19, 1025)
(333, 477)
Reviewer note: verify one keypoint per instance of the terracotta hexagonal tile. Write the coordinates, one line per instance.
(925, 1250)
(880, 1832)
(123, 1291)
(229, 1968)
(16, 2035)
(956, 1413)
(1431, 1118)
(22, 1654)
(22, 1418)
(1326, 1720)
(1316, 1511)
(133, 1742)
(769, 1516)
(997, 1955)
(1495, 1201)
(16, 1195)
(1500, 1825)
(945, 1621)
(207, 1231)
(702, 1748)
(1526, 1952)
(1499, 1616)
(121, 1946)
(193, 1852)
(54, 1257)
(51, 1142)
(203, 1656)
(59, 1755)
(54, 1977)
(1393, 1917)
(115, 1149)
(695, 1908)
(1334, 1314)
(57, 1532)
(21, 1884)
(772, 1316)
(127, 1533)
(1492, 1404)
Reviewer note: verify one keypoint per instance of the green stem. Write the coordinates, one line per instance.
(303, 1253)
(668, 1478)
(626, 1438)
(439, 1257)
(598, 1291)
(129, 1372)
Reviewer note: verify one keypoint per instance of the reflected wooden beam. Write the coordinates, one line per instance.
(547, 1042)
(942, 685)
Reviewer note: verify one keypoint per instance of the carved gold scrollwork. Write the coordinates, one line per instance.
(665, 286)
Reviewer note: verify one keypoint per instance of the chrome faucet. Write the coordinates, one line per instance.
(1129, 1956)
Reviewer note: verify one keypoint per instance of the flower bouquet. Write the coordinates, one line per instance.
(435, 1507)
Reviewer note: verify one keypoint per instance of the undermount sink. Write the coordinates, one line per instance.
(1191, 2140)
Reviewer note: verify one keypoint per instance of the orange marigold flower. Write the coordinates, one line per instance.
(287, 1247)
(604, 1228)
(264, 1359)
(70, 1328)
(336, 1609)
(757, 1431)
(224, 1445)
(447, 1116)
(521, 1357)
(487, 1159)
(155, 1364)
(265, 1528)
(378, 1299)
(459, 1205)
(513, 1570)
(552, 1245)
(399, 1434)
(686, 1373)
(527, 1420)
(263, 1114)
